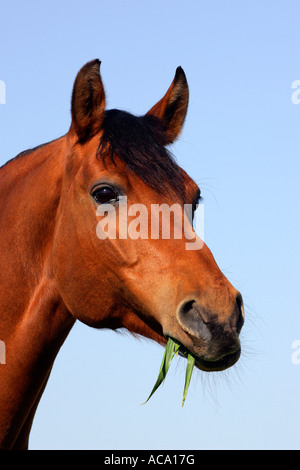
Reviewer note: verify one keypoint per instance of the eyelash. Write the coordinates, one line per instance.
(115, 197)
(197, 201)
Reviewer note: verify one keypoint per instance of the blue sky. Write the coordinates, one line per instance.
(241, 143)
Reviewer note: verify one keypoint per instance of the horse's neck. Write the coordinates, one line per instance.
(33, 319)
(29, 194)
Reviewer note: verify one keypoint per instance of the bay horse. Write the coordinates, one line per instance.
(55, 270)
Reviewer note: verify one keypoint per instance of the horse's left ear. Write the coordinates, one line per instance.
(88, 101)
(172, 108)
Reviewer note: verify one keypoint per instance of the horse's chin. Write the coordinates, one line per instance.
(213, 364)
(219, 364)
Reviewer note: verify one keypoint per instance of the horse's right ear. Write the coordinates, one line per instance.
(88, 101)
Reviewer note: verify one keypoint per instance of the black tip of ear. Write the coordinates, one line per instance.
(93, 64)
(180, 75)
(96, 62)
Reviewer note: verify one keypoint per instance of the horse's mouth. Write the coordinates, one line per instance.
(212, 365)
(229, 357)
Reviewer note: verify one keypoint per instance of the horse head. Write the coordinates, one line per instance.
(154, 286)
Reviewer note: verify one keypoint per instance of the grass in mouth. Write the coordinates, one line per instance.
(171, 350)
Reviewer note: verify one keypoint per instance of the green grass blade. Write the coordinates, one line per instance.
(168, 355)
(176, 350)
(172, 349)
(188, 375)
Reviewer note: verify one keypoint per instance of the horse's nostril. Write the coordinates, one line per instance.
(190, 319)
(241, 314)
(187, 306)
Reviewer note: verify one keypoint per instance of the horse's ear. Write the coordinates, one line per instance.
(172, 108)
(88, 101)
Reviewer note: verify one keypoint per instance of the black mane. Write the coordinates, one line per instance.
(138, 141)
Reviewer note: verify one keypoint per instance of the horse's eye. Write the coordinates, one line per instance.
(104, 195)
